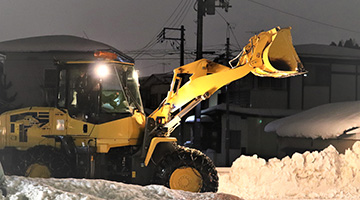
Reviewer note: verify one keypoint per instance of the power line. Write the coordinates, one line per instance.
(153, 41)
(230, 28)
(304, 18)
(179, 17)
(180, 13)
(187, 11)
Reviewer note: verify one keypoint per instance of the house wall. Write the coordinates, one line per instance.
(27, 77)
(326, 82)
(330, 83)
(289, 145)
(158, 94)
(295, 92)
(254, 141)
(251, 139)
(238, 138)
(268, 98)
(27, 71)
(315, 96)
(261, 143)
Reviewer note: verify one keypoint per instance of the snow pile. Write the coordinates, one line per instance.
(312, 175)
(326, 121)
(21, 188)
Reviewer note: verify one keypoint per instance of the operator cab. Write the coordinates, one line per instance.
(98, 91)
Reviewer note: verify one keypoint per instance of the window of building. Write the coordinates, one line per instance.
(341, 68)
(271, 83)
(318, 74)
(344, 76)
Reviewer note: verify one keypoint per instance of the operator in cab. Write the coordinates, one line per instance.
(87, 93)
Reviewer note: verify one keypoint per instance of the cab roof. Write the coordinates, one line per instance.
(58, 43)
(96, 61)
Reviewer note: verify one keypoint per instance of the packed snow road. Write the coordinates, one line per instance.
(312, 175)
(65, 189)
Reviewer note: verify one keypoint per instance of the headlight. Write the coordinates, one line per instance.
(136, 76)
(60, 125)
(102, 70)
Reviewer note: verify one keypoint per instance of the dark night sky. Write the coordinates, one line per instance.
(130, 24)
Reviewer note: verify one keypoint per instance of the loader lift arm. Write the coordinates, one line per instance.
(269, 54)
(265, 55)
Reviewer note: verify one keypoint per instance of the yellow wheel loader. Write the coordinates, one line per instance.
(98, 128)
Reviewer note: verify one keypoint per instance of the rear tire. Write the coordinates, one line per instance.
(44, 162)
(187, 169)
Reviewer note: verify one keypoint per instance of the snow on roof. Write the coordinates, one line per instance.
(52, 43)
(325, 121)
(327, 51)
(263, 112)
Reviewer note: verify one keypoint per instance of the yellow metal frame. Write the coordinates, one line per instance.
(117, 133)
(207, 77)
(153, 144)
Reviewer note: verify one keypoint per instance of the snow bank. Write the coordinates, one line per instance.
(326, 121)
(21, 188)
(312, 175)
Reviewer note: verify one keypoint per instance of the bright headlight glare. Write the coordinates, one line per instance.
(102, 70)
(135, 75)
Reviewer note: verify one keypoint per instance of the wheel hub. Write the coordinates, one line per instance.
(38, 170)
(186, 178)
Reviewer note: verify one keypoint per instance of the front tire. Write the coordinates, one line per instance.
(45, 162)
(187, 169)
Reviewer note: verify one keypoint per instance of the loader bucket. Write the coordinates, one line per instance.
(279, 57)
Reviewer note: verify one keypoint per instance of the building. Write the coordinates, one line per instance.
(30, 65)
(154, 89)
(5, 100)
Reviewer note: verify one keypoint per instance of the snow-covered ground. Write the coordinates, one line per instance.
(312, 175)
(22, 188)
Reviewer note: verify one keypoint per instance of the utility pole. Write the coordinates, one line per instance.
(203, 7)
(227, 99)
(199, 34)
(182, 58)
(196, 136)
(227, 50)
(206, 7)
(182, 40)
(182, 48)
